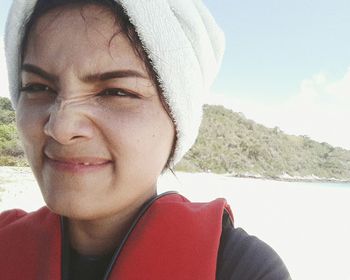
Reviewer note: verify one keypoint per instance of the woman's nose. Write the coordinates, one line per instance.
(68, 125)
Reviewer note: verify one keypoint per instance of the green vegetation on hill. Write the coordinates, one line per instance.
(11, 152)
(230, 143)
(227, 143)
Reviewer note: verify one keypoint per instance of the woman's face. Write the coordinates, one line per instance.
(90, 119)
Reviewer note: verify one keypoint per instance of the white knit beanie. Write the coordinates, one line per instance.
(182, 40)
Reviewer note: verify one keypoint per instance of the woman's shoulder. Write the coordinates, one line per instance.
(245, 257)
(9, 216)
(18, 217)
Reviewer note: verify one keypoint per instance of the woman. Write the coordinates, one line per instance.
(108, 95)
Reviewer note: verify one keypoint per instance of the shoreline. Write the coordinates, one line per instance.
(283, 178)
(292, 179)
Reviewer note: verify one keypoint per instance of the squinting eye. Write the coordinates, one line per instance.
(116, 92)
(36, 88)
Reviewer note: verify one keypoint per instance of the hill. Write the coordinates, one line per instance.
(11, 152)
(227, 143)
(230, 143)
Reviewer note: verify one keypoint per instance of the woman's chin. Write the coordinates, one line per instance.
(72, 207)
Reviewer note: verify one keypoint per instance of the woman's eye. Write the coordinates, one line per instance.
(117, 92)
(36, 88)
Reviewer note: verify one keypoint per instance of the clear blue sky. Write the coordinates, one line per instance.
(272, 45)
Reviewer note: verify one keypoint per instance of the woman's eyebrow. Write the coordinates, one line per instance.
(112, 75)
(30, 68)
(97, 77)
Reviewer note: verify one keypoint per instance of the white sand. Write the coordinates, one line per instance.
(18, 189)
(308, 224)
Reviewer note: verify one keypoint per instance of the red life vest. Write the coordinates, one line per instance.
(173, 239)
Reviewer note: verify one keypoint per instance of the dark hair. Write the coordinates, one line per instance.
(126, 27)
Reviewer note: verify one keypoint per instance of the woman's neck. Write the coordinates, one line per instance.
(101, 236)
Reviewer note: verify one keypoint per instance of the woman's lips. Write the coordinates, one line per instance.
(78, 164)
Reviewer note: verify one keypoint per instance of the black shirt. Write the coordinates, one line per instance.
(245, 257)
(87, 268)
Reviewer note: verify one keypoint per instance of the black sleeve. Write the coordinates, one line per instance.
(245, 257)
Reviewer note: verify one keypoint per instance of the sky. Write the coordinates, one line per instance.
(287, 64)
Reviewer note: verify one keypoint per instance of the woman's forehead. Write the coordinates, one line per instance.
(92, 21)
(75, 37)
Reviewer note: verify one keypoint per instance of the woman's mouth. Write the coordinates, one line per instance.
(78, 164)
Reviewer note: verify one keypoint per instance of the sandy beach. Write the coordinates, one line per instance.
(308, 224)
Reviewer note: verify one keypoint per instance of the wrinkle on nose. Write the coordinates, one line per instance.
(67, 124)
